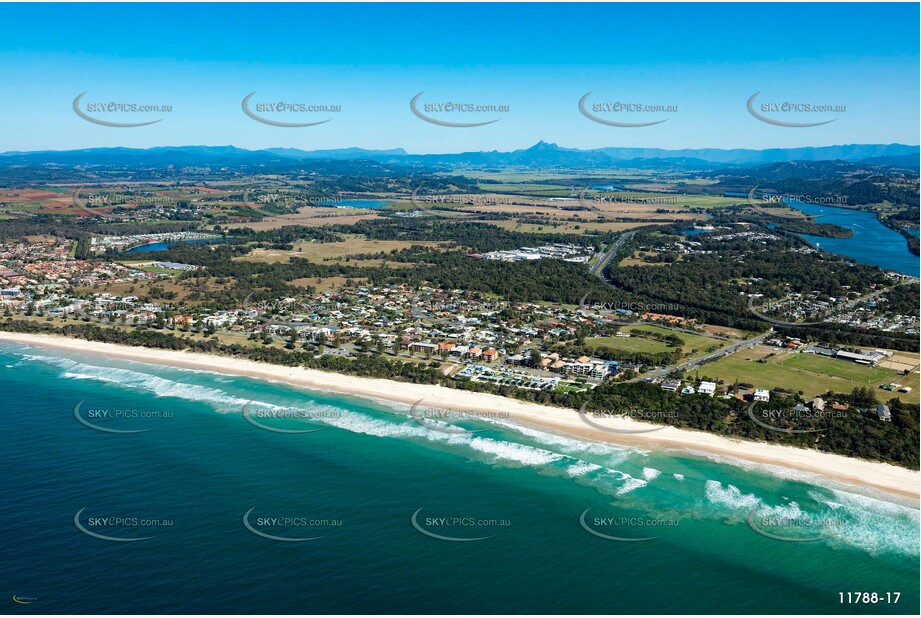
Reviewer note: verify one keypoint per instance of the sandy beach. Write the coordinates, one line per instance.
(885, 477)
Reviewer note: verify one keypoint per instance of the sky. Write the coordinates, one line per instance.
(701, 63)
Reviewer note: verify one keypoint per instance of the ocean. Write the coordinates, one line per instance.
(206, 507)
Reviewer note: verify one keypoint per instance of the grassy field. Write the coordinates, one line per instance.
(693, 344)
(637, 259)
(812, 375)
(628, 344)
(314, 217)
(525, 188)
(326, 284)
(663, 200)
(839, 369)
(320, 253)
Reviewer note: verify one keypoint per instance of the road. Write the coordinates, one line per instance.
(694, 362)
(598, 268)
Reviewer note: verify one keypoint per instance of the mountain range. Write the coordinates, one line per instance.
(542, 154)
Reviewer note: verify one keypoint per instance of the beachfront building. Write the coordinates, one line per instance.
(707, 388)
(671, 385)
(882, 410)
(424, 347)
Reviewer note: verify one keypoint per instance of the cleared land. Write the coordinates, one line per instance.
(692, 344)
(628, 344)
(637, 259)
(807, 373)
(314, 217)
(326, 252)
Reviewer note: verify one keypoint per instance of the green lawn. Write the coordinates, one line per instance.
(811, 374)
(701, 343)
(840, 368)
(646, 344)
(628, 344)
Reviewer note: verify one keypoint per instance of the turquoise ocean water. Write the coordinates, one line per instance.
(206, 487)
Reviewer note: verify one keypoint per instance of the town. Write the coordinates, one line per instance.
(471, 337)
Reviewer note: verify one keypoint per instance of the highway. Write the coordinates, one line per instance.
(694, 362)
(599, 266)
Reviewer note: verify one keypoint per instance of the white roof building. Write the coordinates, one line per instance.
(762, 395)
(707, 388)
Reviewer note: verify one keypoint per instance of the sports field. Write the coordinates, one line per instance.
(809, 374)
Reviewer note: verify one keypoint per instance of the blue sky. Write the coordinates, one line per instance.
(537, 59)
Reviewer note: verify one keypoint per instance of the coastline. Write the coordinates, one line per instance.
(881, 476)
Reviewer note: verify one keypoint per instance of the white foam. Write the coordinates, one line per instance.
(873, 525)
(678, 477)
(616, 453)
(651, 474)
(630, 484)
(360, 423)
(730, 496)
(581, 469)
(160, 387)
(511, 451)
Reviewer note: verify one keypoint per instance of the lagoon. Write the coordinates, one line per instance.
(367, 204)
(163, 246)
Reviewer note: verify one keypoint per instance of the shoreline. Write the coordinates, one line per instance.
(885, 477)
